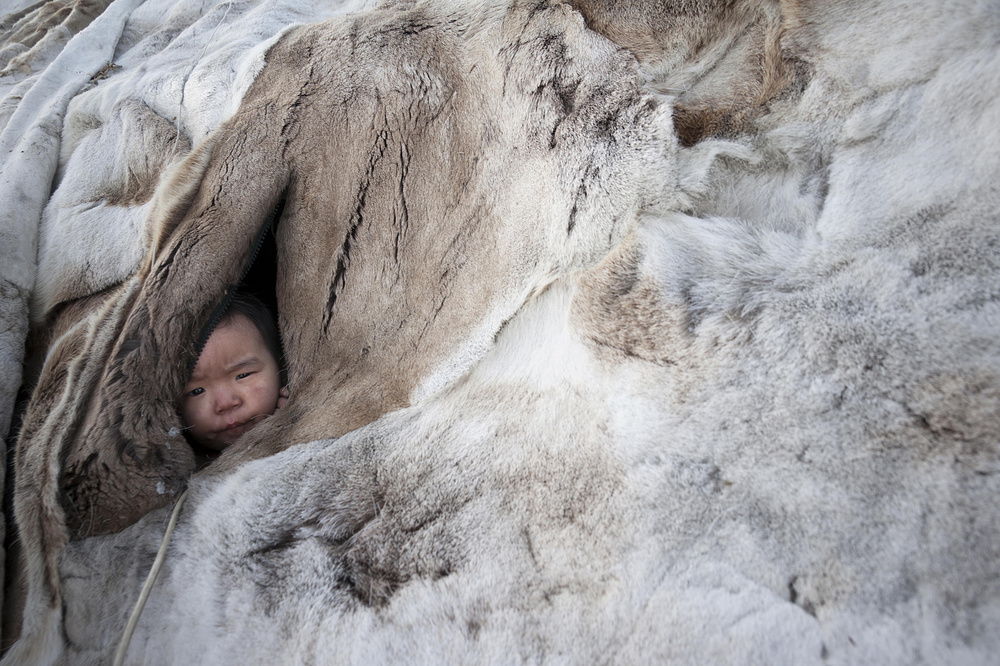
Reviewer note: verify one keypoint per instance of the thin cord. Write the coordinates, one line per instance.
(161, 555)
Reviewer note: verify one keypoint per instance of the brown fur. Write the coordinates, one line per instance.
(655, 31)
(648, 28)
(71, 373)
(624, 316)
(61, 320)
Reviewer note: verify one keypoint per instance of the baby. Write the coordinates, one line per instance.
(236, 382)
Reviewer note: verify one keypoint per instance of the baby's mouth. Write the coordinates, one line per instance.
(235, 429)
(240, 428)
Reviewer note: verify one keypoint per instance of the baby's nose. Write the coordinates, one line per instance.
(226, 400)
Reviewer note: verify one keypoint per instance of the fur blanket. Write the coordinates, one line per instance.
(618, 332)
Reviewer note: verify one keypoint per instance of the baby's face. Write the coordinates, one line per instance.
(234, 385)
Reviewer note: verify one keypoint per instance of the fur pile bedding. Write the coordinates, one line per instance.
(680, 347)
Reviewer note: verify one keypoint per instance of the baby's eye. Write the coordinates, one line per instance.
(197, 391)
(243, 375)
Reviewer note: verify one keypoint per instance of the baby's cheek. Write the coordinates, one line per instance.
(265, 399)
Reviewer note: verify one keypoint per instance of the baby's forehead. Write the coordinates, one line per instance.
(240, 328)
(234, 342)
